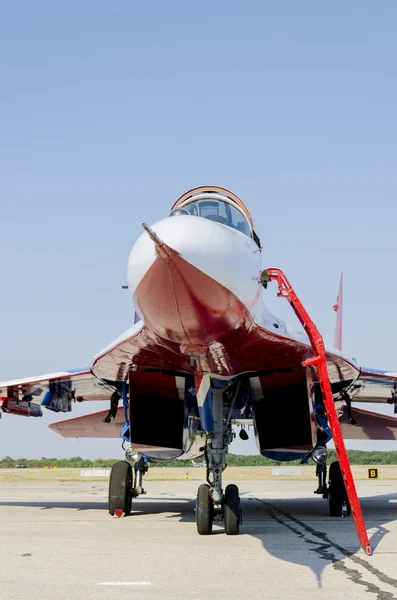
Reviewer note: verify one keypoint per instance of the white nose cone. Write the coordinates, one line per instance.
(206, 287)
(228, 256)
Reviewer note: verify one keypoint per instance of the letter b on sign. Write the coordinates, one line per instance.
(372, 473)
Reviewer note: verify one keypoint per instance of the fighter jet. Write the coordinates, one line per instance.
(205, 354)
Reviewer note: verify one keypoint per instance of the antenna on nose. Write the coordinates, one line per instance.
(161, 248)
(152, 234)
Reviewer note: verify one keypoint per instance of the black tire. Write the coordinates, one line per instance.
(120, 487)
(204, 510)
(337, 492)
(231, 510)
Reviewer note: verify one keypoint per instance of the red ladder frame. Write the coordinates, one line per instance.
(319, 360)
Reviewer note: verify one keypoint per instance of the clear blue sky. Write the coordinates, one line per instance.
(109, 111)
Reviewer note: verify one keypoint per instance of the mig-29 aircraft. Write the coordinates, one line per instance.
(205, 354)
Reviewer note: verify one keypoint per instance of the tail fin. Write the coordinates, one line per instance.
(338, 308)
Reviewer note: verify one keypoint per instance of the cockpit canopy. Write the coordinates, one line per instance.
(216, 204)
(215, 209)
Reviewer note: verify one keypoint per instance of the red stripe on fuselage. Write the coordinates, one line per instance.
(182, 308)
(183, 305)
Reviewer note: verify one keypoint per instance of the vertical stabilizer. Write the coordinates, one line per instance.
(338, 308)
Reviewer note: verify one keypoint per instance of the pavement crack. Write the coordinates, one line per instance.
(326, 548)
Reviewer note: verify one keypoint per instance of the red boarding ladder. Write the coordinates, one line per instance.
(319, 360)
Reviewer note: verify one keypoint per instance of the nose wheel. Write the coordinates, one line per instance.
(232, 510)
(205, 510)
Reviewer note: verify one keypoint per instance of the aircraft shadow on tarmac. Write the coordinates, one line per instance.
(294, 530)
(300, 531)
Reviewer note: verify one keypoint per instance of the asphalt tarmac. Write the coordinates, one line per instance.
(58, 542)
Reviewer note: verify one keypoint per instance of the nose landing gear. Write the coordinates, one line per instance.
(212, 504)
(207, 513)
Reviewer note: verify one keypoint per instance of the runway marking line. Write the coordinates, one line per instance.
(125, 583)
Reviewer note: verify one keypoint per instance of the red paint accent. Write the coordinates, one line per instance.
(319, 361)
(118, 513)
(183, 305)
(22, 408)
(193, 350)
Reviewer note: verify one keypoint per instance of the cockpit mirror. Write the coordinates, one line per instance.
(178, 211)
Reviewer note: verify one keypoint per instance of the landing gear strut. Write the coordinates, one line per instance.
(212, 503)
(321, 472)
(140, 468)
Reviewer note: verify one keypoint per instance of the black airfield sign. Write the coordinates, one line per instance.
(372, 473)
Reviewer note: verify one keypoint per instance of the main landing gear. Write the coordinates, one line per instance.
(335, 492)
(338, 500)
(125, 484)
(212, 504)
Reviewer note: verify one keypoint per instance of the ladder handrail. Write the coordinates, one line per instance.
(319, 360)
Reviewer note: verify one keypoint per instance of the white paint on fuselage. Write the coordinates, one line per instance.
(226, 255)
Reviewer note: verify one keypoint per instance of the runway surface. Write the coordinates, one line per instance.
(58, 541)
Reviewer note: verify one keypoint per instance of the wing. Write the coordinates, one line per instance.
(55, 391)
(368, 425)
(374, 385)
(91, 426)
